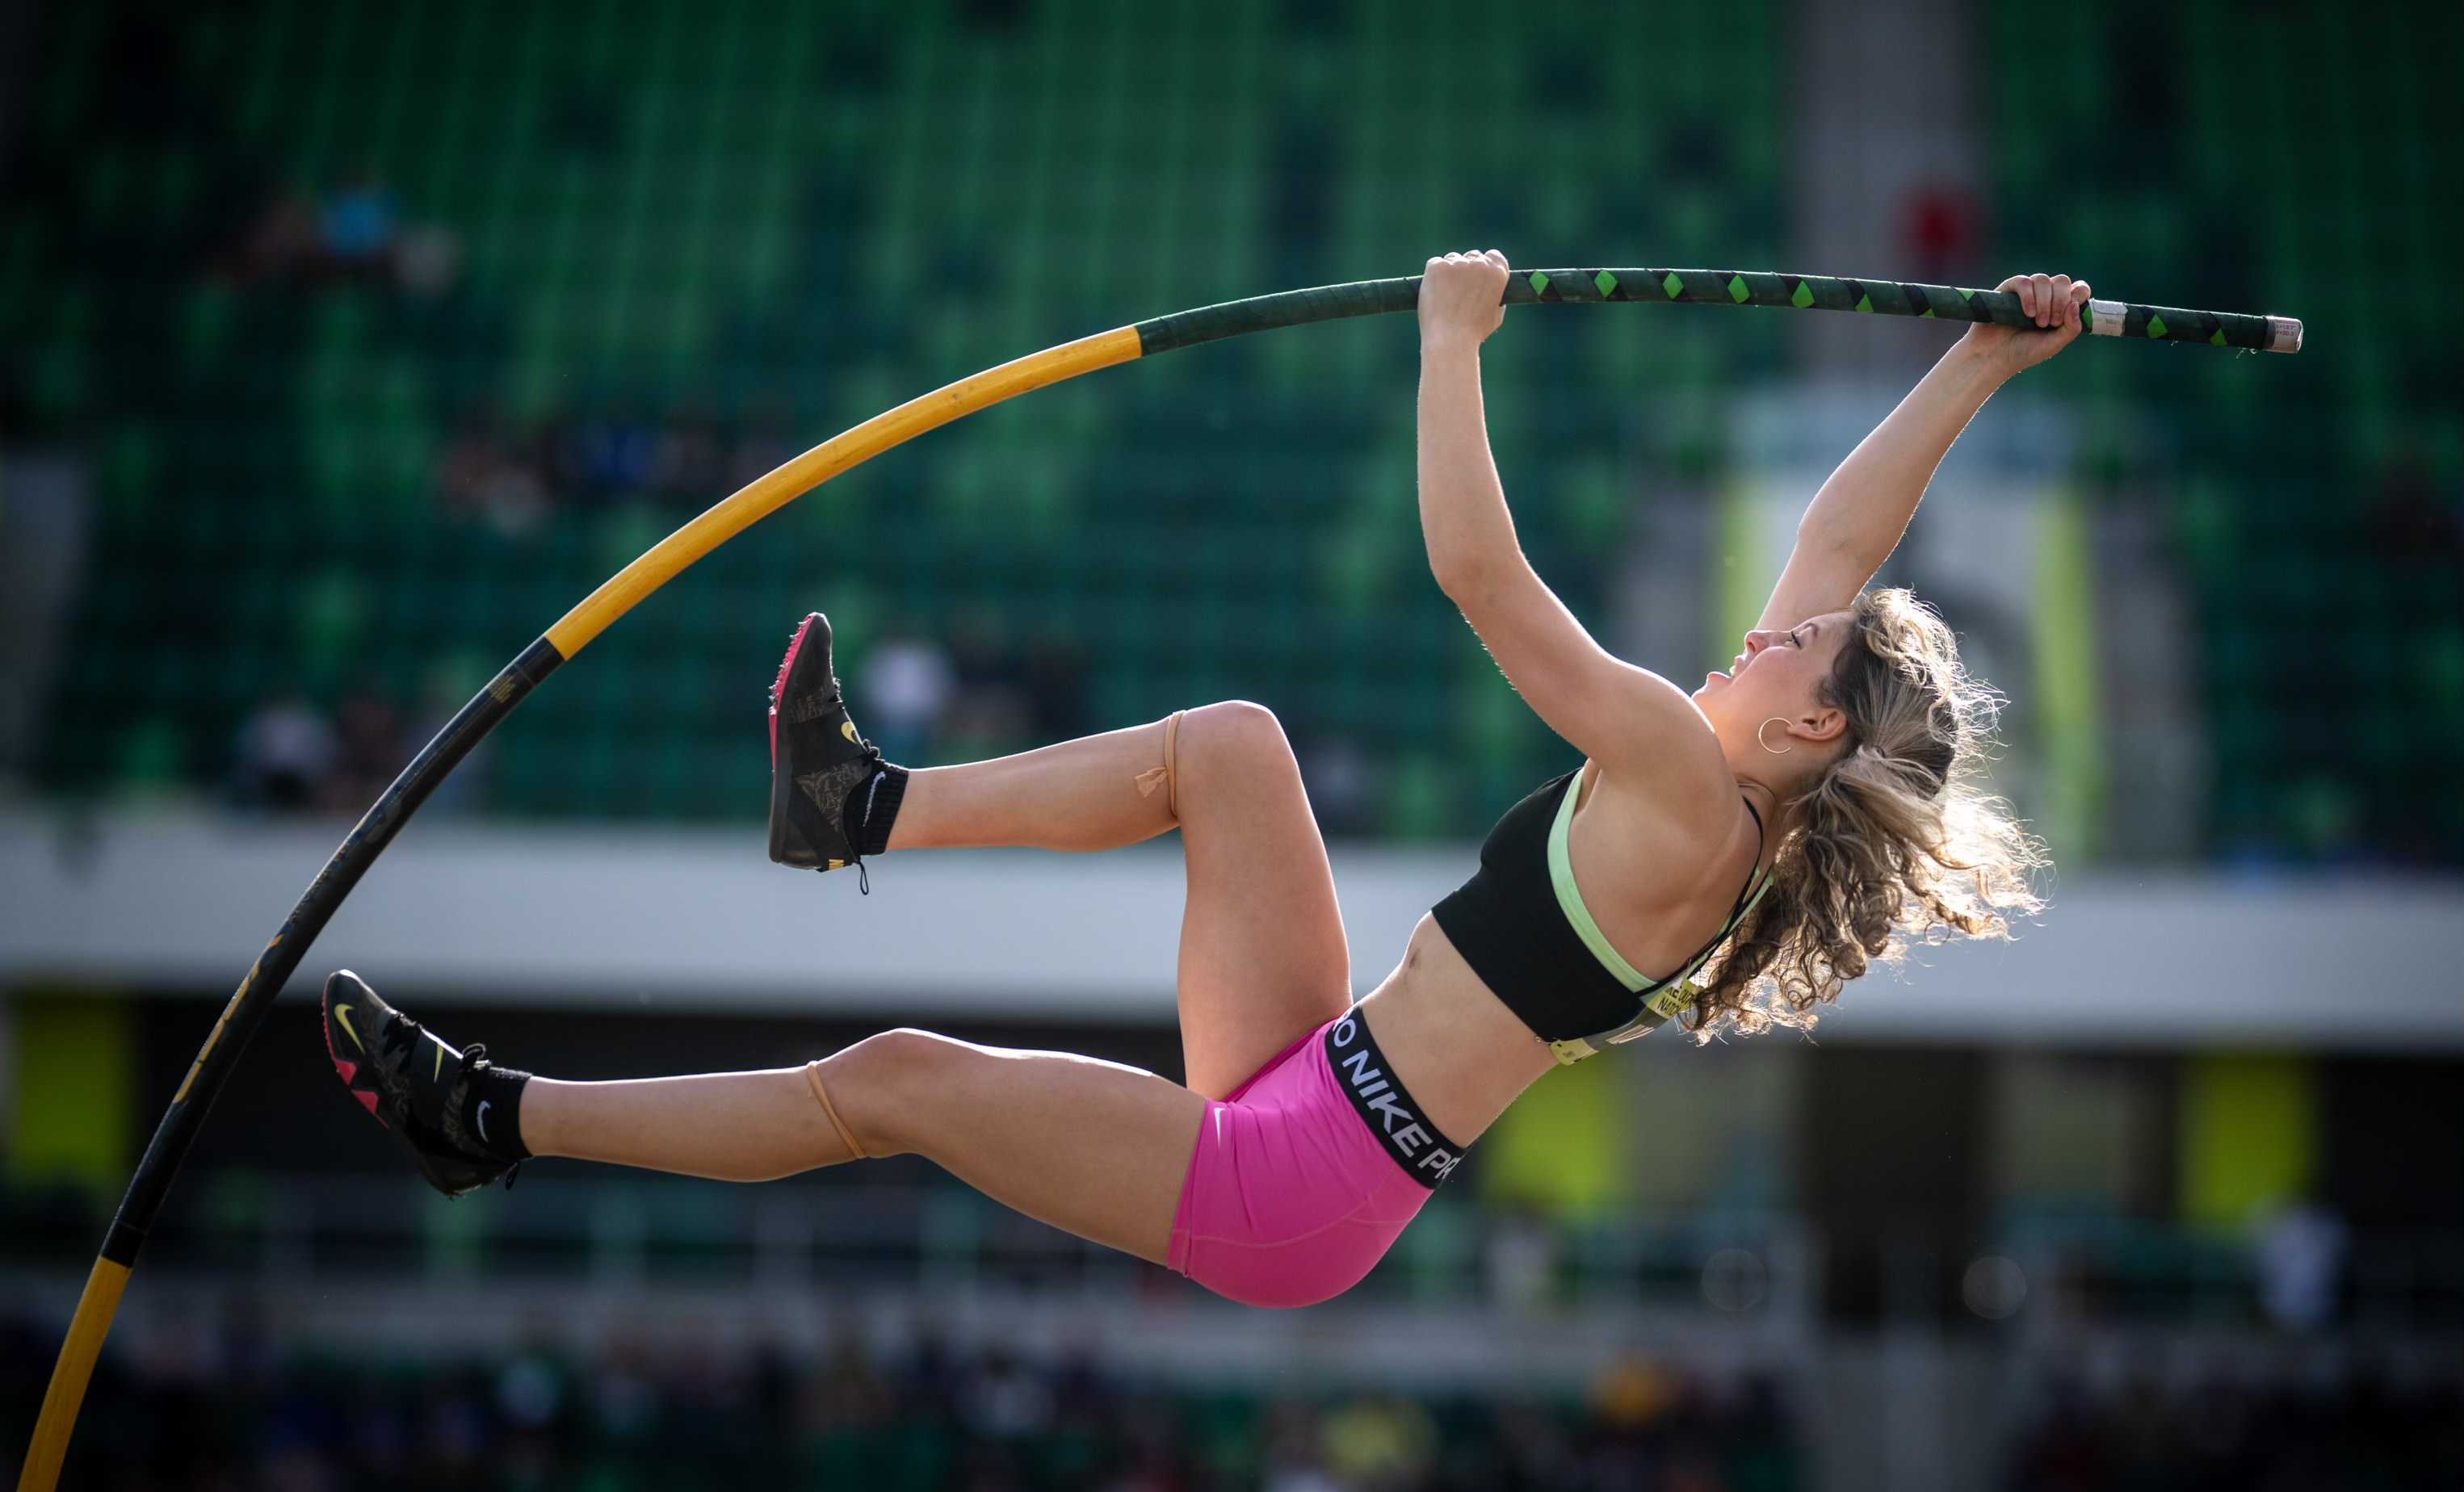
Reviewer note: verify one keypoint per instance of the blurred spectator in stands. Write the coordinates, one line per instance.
(908, 684)
(1151, 1455)
(1005, 1397)
(283, 241)
(1520, 1260)
(988, 714)
(602, 455)
(352, 230)
(285, 752)
(2409, 517)
(359, 224)
(2299, 1252)
(428, 263)
(2325, 1428)
(2414, 527)
(1631, 1402)
(625, 1390)
(1342, 782)
(368, 754)
(1761, 1433)
(927, 1381)
(689, 466)
(760, 447)
(464, 463)
(449, 684)
(848, 1391)
(1295, 1455)
(46, 519)
(1383, 1443)
(1536, 1448)
(482, 475)
(1082, 1391)
(1056, 688)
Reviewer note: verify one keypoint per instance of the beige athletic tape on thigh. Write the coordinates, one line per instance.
(847, 1136)
(1154, 778)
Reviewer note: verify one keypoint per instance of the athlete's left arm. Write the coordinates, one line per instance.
(1634, 722)
(1857, 518)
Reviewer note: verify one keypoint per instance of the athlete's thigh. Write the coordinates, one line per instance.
(1263, 957)
(1091, 1147)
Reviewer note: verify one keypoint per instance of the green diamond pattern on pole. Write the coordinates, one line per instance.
(2216, 338)
(1865, 303)
(1673, 285)
(1737, 290)
(1539, 283)
(2155, 327)
(1605, 283)
(1802, 298)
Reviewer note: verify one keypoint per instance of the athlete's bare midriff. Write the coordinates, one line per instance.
(1454, 1045)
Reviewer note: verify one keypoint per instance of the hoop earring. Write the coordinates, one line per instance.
(1766, 745)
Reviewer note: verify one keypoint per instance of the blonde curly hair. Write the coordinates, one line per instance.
(1896, 842)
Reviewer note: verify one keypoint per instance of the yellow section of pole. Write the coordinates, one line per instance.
(87, 1329)
(767, 494)
(662, 564)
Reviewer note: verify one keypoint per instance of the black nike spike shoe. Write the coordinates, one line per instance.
(823, 777)
(414, 1084)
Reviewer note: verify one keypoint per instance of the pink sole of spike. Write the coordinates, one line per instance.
(795, 645)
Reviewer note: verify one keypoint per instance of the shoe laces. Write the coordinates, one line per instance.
(401, 1034)
(871, 785)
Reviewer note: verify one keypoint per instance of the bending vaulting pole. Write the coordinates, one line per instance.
(273, 966)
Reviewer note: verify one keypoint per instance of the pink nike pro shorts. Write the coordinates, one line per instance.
(1304, 1175)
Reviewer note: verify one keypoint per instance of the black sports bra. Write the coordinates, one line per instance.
(1521, 924)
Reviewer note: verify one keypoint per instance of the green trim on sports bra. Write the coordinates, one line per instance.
(1569, 901)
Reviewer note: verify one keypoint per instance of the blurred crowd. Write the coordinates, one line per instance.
(511, 477)
(213, 1409)
(348, 230)
(927, 695)
(292, 756)
(2366, 1432)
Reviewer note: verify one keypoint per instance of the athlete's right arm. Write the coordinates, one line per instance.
(1858, 518)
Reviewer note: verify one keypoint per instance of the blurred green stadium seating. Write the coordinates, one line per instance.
(792, 218)
(2287, 157)
(786, 219)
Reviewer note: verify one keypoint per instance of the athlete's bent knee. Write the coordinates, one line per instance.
(1242, 723)
(1235, 729)
(866, 1089)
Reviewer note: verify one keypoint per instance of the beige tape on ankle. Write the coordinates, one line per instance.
(1154, 778)
(847, 1136)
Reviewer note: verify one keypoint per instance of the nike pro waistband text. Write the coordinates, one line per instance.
(1378, 1097)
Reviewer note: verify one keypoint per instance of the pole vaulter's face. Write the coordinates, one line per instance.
(1779, 671)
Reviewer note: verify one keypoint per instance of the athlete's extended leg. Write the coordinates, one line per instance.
(1093, 1148)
